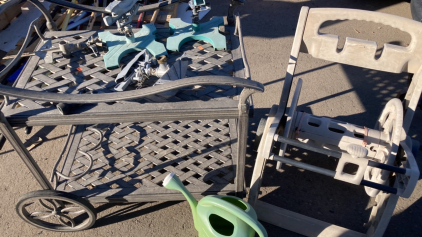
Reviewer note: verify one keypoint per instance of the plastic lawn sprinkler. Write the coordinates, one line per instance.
(183, 32)
(219, 216)
(121, 13)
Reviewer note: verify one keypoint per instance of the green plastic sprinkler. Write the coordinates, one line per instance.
(219, 216)
(182, 32)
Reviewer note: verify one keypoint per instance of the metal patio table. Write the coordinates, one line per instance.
(121, 148)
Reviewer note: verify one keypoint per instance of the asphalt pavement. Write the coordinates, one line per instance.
(346, 93)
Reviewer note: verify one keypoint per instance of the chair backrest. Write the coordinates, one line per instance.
(359, 52)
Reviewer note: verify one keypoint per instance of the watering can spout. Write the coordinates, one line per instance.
(173, 182)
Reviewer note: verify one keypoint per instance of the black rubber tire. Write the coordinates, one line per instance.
(28, 130)
(59, 197)
(416, 9)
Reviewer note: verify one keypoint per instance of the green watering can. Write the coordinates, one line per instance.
(219, 216)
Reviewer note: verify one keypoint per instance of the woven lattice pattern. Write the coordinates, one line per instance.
(134, 158)
(140, 155)
(84, 72)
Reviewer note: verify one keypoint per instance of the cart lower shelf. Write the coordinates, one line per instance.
(134, 158)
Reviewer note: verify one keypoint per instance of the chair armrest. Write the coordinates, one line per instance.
(128, 95)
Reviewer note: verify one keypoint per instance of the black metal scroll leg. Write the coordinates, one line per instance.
(23, 153)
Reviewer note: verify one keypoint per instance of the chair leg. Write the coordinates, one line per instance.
(261, 159)
(241, 155)
(381, 213)
(23, 153)
(256, 181)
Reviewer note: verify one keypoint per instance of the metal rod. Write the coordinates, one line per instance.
(335, 154)
(53, 171)
(331, 173)
(381, 187)
(79, 6)
(23, 153)
(39, 33)
(128, 95)
(387, 167)
(241, 153)
(88, 8)
(51, 25)
(304, 165)
(242, 47)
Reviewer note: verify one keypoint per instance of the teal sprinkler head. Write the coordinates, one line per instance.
(219, 216)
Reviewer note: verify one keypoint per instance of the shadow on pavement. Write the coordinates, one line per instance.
(126, 212)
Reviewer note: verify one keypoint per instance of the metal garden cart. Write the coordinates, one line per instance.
(121, 145)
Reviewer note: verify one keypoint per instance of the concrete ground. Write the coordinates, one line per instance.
(346, 93)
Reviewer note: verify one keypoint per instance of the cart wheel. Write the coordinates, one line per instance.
(28, 130)
(56, 211)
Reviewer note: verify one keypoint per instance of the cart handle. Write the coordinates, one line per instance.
(128, 95)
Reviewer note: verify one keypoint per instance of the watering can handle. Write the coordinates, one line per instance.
(259, 229)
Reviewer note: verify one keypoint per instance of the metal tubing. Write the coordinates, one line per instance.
(39, 33)
(79, 6)
(23, 153)
(102, 9)
(51, 25)
(128, 95)
(242, 139)
(335, 154)
(303, 165)
(238, 29)
(331, 173)
(387, 167)
(381, 187)
(53, 171)
(241, 150)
